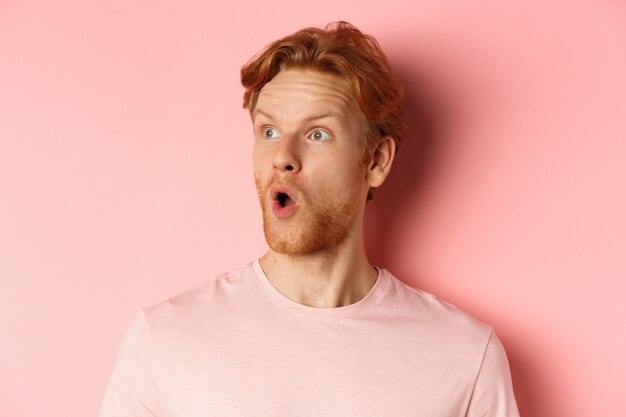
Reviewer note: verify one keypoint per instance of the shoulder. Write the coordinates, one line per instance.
(442, 320)
(201, 302)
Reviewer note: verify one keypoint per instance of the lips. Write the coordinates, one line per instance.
(284, 203)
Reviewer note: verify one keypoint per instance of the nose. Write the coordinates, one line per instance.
(286, 156)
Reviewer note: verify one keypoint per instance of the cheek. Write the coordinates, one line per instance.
(261, 165)
(345, 175)
(352, 165)
(259, 158)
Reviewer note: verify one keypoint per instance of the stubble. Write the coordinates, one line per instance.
(324, 221)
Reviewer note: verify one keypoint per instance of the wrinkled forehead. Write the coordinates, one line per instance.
(297, 92)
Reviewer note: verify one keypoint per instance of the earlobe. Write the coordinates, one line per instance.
(381, 161)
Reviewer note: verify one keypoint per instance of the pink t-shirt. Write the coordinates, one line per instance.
(237, 347)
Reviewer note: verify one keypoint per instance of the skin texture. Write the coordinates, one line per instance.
(307, 143)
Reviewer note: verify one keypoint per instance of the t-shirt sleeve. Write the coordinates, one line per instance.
(493, 391)
(131, 391)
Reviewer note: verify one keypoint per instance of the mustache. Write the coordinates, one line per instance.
(277, 180)
(263, 189)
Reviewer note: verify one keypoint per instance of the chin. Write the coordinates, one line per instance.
(287, 242)
(300, 248)
(309, 239)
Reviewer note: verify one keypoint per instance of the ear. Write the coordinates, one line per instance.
(380, 163)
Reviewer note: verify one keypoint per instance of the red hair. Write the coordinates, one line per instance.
(343, 50)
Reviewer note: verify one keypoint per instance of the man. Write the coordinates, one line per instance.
(311, 328)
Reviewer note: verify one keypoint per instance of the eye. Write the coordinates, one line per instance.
(319, 135)
(270, 133)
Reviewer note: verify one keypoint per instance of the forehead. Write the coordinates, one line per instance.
(297, 93)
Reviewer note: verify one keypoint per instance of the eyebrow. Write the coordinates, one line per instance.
(334, 114)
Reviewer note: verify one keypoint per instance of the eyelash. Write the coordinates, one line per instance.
(267, 129)
(314, 131)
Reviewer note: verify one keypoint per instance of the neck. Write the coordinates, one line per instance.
(324, 279)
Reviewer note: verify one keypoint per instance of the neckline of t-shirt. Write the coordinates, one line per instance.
(343, 311)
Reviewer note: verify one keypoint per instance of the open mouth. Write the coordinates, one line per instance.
(283, 202)
(284, 199)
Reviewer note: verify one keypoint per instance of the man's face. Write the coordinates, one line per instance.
(309, 167)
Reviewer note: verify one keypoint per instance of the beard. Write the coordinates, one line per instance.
(318, 227)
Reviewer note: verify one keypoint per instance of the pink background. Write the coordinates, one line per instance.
(125, 178)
